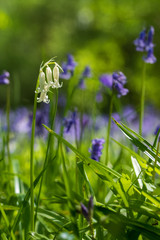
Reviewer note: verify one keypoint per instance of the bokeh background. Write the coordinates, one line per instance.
(99, 33)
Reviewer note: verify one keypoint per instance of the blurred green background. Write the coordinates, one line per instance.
(99, 33)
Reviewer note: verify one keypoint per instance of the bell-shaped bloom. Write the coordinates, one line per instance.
(106, 80)
(43, 97)
(96, 149)
(4, 78)
(150, 57)
(140, 42)
(49, 76)
(145, 44)
(56, 83)
(69, 122)
(42, 83)
(68, 67)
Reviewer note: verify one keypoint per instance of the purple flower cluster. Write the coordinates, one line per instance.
(145, 44)
(4, 78)
(68, 68)
(96, 149)
(86, 74)
(116, 82)
(119, 79)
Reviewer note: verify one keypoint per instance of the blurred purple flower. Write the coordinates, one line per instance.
(82, 84)
(86, 74)
(106, 80)
(71, 64)
(65, 74)
(145, 44)
(85, 212)
(4, 78)
(96, 148)
(88, 212)
(119, 79)
(150, 57)
(149, 42)
(69, 122)
(140, 42)
(68, 67)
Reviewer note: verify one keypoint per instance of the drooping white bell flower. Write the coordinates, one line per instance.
(49, 76)
(42, 83)
(43, 97)
(56, 77)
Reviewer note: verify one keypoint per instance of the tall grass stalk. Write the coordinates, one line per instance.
(53, 115)
(109, 128)
(141, 116)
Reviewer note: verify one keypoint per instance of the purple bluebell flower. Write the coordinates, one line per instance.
(85, 212)
(145, 44)
(96, 149)
(119, 79)
(65, 74)
(71, 64)
(140, 42)
(88, 212)
(149, 42)
(4, 78)
(87, 72)
(82, 84)
(150, 57)
(68, 67)
(69, 122)
(106, 80)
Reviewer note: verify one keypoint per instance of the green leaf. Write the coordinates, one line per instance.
(137, 170)
(138, 141)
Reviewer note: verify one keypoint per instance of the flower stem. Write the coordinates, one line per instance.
(142, 100)
(32, 159)
(53, 114)
(109, 128)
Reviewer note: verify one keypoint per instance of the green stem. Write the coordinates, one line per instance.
(109, 128)
(8, 128)
(142, 100)
(32, 159)
(53, 114)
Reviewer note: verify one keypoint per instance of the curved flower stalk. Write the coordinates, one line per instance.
(44, 82)
(47, 79)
